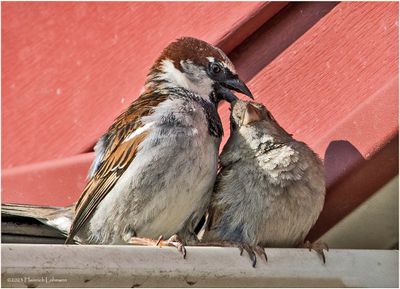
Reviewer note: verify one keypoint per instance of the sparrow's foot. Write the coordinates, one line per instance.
(173, 241)
(317, 247)
(261, 252)
(252, 251)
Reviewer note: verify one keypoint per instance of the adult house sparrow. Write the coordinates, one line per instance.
(155, 167)
(270, 189)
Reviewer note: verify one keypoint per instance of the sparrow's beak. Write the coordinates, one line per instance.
(235, 84)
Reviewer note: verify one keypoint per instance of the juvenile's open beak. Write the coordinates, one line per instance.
(234, 83)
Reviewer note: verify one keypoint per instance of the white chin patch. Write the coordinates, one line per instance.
(194, 78)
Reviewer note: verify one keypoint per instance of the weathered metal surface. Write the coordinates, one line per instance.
(128, 266)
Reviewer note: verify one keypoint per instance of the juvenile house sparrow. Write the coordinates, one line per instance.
(270, 189)
(155, 167)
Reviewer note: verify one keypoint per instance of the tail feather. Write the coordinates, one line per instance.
(29, 211)
(59, 218)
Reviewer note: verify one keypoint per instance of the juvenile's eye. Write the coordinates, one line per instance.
(215, 68)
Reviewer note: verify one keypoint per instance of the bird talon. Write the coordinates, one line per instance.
(261, 252)
(323, 256)
(159, 241)
(318, 247)
(251, 253)
(182, 249)
(176, 242)
(254, 261)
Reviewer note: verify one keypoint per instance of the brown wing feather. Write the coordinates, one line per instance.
(116, 159)
(128, 121)
(107, 176)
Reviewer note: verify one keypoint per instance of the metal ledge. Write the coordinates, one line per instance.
(28, 265)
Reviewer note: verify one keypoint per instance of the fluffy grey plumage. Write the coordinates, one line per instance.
(169, 180)
(270, 189)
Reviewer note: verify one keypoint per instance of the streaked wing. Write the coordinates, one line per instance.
(117, 154)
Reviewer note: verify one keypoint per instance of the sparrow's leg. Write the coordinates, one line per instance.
(317, 247)
(251, 250)
(142, 241)
(173, 241)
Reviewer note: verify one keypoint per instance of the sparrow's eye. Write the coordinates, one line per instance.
(215, 68)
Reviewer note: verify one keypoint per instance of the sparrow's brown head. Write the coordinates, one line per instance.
(195, 65)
